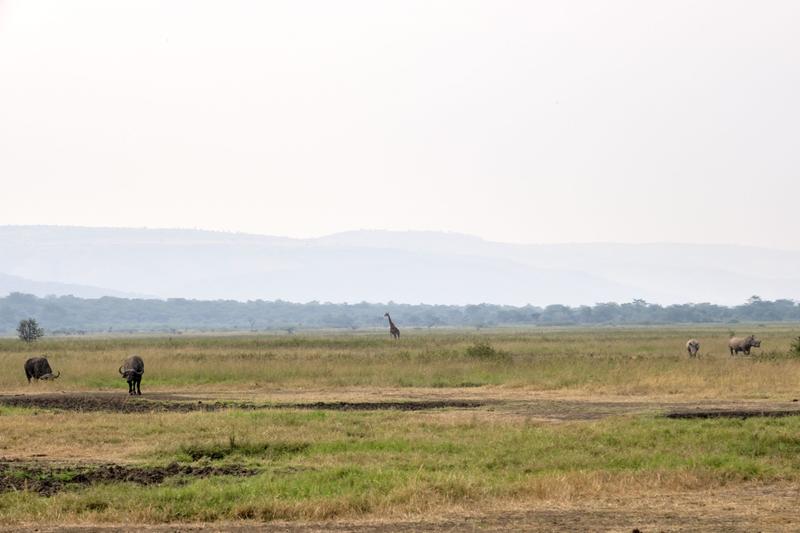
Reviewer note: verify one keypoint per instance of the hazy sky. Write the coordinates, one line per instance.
(524, 121)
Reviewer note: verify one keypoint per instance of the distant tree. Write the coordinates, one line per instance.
(28, 330)
(754, 299)
(77, 316)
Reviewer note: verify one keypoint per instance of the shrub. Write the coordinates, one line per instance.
(484, 350)
(794, 350)
(217, 451)
(29, 330)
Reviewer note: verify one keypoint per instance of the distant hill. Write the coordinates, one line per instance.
(9, 284)
(382, 266)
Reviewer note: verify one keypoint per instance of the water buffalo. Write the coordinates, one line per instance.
(737, 344)
(132, 369)
(693, 346)
(38, 368)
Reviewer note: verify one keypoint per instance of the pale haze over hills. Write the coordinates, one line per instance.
(517, 121)
(382, 266)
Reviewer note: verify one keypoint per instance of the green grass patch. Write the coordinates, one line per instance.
(357, 464)
(337, 464)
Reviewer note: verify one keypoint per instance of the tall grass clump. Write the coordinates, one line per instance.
(794, 349)
(486, 352)
(262, 450)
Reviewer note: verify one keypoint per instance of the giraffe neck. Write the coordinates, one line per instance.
(390, 321)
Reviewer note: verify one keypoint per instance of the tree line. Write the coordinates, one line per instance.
(71, 315)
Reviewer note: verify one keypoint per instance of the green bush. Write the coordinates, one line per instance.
(484, 350)
(794, 350)
(29, 330)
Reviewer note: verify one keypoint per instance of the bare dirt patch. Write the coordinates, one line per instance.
(89, 402)
(540, 408)
(733, 413)
(589, 409)
(420, 405)
(93, 402)
(48, 479)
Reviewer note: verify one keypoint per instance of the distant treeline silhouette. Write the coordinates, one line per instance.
(68, 314)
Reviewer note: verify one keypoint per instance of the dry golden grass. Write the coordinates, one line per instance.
(607, 361)
(389, 464)
(601, 385)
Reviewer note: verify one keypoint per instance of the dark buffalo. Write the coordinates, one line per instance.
(132, 370)
(38, 368)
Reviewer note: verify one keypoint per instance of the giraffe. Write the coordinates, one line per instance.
(393, 331)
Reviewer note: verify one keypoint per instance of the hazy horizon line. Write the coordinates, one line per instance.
(388, 303)
(385, 230)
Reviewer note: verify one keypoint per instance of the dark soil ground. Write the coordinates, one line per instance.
(127, 404)
(48, 479)
(566, 410)
(733, 413)
(546, 409)
(375, 406)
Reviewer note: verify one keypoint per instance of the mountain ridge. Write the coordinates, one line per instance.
(378, 265)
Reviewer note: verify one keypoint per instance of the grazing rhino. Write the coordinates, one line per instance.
(693, 346)
(38, 368)
(132, 369)
(737, 344)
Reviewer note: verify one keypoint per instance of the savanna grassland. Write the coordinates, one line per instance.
(441, 429)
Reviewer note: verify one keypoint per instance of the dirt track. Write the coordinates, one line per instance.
(48, 479)
(541, 408)
(734, 413)
(127, 404)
